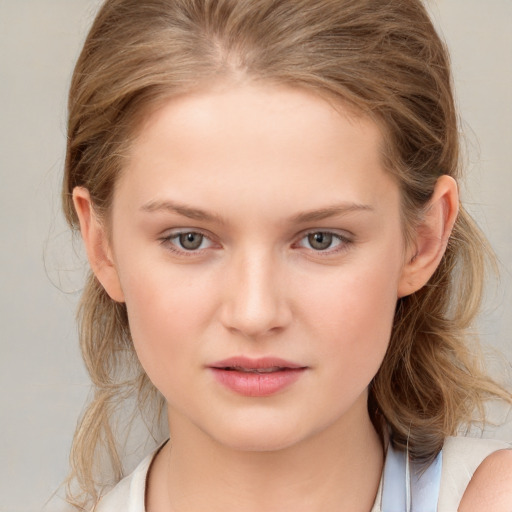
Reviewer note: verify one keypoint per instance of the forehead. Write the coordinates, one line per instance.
(256, 142)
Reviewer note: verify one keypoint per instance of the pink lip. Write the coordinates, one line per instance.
(240, 374)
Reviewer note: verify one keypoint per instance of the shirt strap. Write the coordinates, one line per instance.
(409, 486)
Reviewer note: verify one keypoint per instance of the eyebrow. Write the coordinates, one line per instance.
(182, 209)
(330, 211)
(301, 218)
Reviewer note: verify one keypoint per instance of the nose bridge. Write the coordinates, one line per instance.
(255, 300)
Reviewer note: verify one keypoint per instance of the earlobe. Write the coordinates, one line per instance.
(97, 244)
(431, 237)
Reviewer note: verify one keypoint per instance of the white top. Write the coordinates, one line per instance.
(461, 457)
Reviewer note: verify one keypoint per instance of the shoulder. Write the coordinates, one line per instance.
(118, 498)
(491, 485)
(129, 493)
(470, 465)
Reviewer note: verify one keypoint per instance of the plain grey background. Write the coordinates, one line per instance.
(43, 383)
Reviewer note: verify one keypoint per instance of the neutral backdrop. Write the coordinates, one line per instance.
(43, 385)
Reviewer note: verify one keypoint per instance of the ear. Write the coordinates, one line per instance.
(431, 237)
(97, 244)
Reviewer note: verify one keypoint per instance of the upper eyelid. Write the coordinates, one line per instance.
(342, 233)
(339, 233)
(174, 232)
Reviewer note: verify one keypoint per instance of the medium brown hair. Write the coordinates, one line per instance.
(382, 57)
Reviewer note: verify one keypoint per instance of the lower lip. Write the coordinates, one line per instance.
(257, 384)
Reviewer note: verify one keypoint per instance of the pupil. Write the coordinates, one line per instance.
(320, 241)
(191, 241)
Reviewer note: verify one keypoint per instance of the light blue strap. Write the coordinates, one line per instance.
(425, 485)
(414, 492)
(394, 492)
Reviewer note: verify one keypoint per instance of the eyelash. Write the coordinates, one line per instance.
(343, 242)
(170, 242)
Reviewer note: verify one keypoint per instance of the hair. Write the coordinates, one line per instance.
(381, 57)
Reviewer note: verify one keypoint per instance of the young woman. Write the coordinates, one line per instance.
(267, 192)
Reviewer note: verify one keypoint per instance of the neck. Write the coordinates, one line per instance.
(335, 470)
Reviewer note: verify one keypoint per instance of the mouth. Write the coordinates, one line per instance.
(259, 365)
(261, 371)
(257, 377)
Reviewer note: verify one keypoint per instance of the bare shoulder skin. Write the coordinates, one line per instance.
(491, 485)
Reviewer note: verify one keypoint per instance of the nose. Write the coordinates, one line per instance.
(255, 296)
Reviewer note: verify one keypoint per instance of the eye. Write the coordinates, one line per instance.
(323, 241)
(320, 241)
(190, 241)
(187, 241)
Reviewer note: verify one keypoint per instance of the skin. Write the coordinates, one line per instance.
(254, 170)
(490, 487)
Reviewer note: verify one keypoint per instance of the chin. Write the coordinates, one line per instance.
(257, 436)
(260, 444)
(249, 434)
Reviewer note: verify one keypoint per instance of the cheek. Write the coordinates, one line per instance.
(166, 315)
(353, 315)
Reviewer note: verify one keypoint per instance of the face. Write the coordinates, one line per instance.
(258, 245)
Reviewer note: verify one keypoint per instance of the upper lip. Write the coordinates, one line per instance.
(260, 363)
